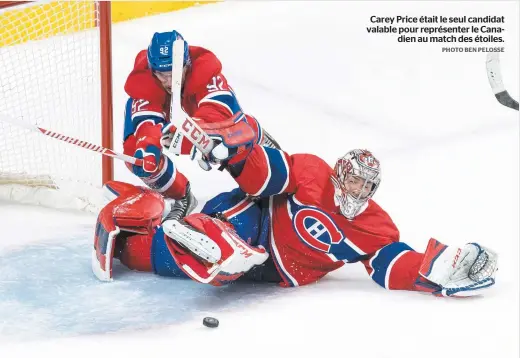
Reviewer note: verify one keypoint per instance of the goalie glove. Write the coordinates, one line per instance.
(209, 250)
(459, 271)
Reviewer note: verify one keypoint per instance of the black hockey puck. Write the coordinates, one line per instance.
(210, 322)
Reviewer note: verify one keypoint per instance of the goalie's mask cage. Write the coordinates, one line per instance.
(56, 74)
(357, 168)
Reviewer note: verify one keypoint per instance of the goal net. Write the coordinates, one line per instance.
(51, 76)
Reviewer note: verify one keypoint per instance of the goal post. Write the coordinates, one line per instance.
(56, 73)
(105, 45)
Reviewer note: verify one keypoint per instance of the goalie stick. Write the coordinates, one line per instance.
(75, 141)
(495, 80)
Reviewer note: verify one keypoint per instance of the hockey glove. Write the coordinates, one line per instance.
(459, 271)
(176, 143)
(233, 139)
(148, 148)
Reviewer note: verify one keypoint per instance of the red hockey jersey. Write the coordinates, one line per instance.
(206, 94)
(309, 236)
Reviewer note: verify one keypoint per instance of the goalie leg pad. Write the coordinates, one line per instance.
(458, 271)
(136, 251)
(114, 189)
(209, 250)
(103, 252)
(136, 210)
(190, 233)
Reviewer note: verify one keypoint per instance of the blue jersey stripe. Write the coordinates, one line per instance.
(383, 258)
(165, 177)
(131, 124)
(227, 99)
(279, 172)
(344, 252)
(129, 127)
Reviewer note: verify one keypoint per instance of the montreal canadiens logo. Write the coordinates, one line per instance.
(368, 159)
(317, 229)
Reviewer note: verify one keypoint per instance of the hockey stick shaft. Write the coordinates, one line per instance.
(75, 141)
(184, 123)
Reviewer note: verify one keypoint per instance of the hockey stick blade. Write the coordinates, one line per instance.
(506, 99)
(495, 80)
(72, 140)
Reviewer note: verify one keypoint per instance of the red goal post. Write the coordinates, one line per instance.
(57, 72)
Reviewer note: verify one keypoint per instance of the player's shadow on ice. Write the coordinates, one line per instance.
(48, 290)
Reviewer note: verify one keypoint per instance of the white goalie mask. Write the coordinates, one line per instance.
(358, 175)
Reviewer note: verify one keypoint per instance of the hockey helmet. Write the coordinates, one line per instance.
(160, 51)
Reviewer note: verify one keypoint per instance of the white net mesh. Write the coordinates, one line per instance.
(50, 77)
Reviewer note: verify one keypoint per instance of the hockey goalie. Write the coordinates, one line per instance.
(292, 220)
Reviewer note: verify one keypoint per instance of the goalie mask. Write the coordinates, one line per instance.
(358, 175)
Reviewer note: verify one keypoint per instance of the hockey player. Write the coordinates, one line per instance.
(292, 220)
(206, 96)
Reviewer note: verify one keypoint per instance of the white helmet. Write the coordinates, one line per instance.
(360, 169)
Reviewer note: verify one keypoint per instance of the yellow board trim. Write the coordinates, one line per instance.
(44, 20)
(39, 21)
(128, 10)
